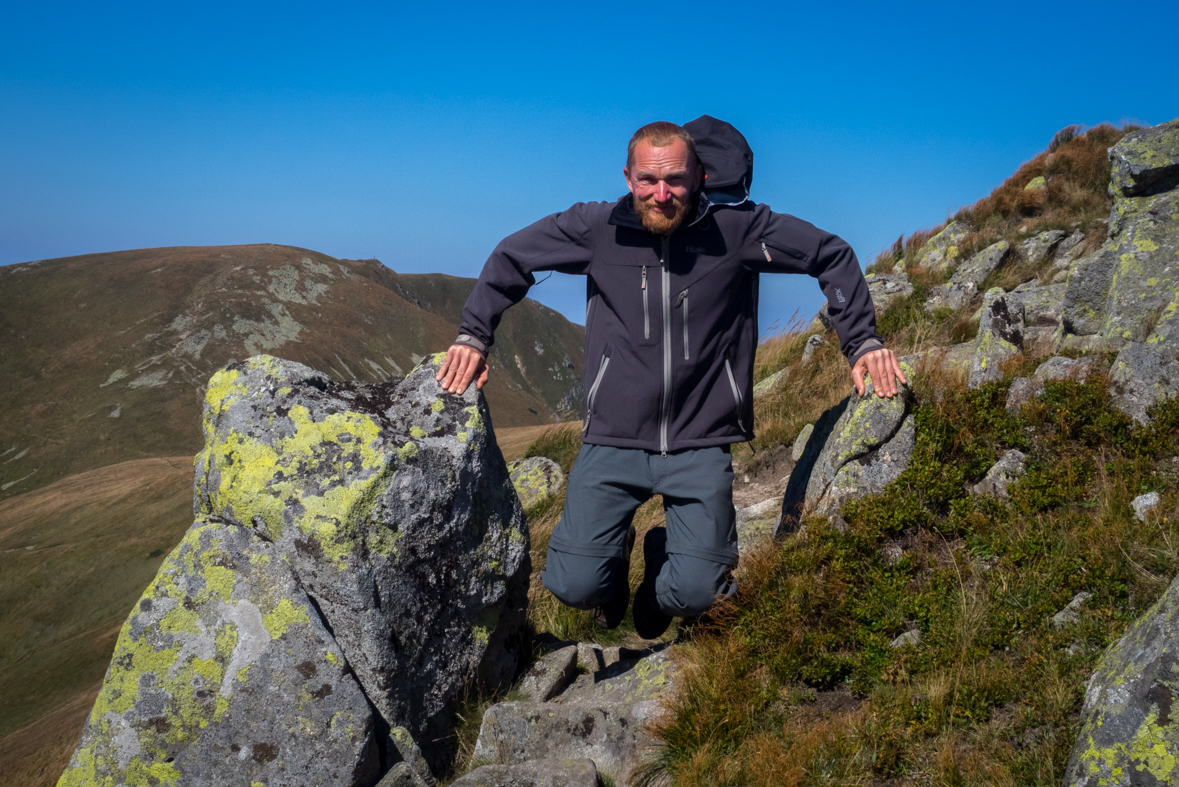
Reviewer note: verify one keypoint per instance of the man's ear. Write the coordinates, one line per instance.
(626, 175)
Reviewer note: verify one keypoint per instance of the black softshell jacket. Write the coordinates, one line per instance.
(671, 321)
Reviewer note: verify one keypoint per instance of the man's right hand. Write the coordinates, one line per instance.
(461, 365)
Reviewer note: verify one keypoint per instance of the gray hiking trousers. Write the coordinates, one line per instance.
(586, 555)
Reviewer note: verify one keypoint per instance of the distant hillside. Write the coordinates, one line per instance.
(103, 357)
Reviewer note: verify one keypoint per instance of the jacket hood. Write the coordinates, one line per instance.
(725, 154)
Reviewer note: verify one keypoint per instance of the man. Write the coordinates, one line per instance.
(671, 329)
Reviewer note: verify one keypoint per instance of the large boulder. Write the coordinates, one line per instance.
(964, 284)
(1130, 731)
(1039, 247)
(856, 448)
(1128, 291)
(225, 674)
(394, 508)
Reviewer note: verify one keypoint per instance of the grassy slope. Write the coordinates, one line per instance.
(162, 320)
(797, 685)
(74, 555)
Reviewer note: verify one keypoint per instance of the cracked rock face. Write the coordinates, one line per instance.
(1000, 337)
(1130, 722)
(373, 531)
(225, 660)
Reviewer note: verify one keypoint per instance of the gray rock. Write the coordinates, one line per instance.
(1128, 730)
(1144, 504)
(1022, 391)
(411, 757)
(611, 735)
(892, 553)
(537, 773)
(401, 774)
(589, 656)
(1072, 612)
(941, 251)
(550, 675)
(911, 637)
(1146, 158)
(1039, 341)
(1142, 376)
(887, 288)
(1039, 247)
(628, 680)
(769, 384)
(800, 442)
(976, 269)
(1087, 291)
(1069, 249)
(1061, 368)
(857, 448)
(813, 344)
(226, 659)
(535, 479)
(1042, 306)
(1010, 467)
(755, 524)
(1000, 337)
(950, 296)
(395, 509)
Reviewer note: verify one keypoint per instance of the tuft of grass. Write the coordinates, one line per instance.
(560, 442)
(991, 694)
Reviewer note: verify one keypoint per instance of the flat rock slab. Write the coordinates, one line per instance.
(976, 269)
(612, 735)
(632, 680)
(538, 773)
(224, 674)
(549, 676)
(1142, 376)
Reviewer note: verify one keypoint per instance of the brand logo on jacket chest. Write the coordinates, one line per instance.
(695, 250)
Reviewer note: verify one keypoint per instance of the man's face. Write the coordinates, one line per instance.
(663, 181)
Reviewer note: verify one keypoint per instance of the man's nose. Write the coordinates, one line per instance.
(662, 192)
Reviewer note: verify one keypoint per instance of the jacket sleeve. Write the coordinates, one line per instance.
(781, 243)
(560, 242)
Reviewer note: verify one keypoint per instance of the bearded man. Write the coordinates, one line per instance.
(671, 328)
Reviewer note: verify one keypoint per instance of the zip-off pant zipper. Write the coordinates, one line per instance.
(665, 406)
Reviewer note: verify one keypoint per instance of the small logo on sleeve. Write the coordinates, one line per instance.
(839, 295)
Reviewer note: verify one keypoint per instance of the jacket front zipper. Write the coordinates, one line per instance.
(665, 407)
(683, 301)
(737, 401)
(646, 310)
(593, 392)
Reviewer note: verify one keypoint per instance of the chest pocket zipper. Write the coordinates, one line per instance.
(737, 400)
(646, 308)
(593, 393)
(683, 301)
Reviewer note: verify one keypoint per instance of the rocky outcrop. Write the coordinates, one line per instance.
(1130, 730)
(941, 251)
(601, 716)
(1141, 377)
(1042, 309)
(1128, 291)
(964, 284)
(359, 555)
(1039, 247)
(886, 288)
(536, 479)
(856, 448)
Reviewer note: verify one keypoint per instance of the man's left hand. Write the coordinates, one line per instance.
(884, 369)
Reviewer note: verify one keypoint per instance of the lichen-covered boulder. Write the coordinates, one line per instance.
(224, 674)
(1061, 368)
(1142, 375)
(1146, 158)
(1042, 306)
(395, 509)
(856, 448)
(1000, 337)
(1130, 728)
(769, 384)
(536, 479)
(941, 251)
(976, 269)
(1039, 247)
(950, 296)
(1128, 291)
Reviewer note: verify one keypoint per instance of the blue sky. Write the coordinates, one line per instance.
(423, 134)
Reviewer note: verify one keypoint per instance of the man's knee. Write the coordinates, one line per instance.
(687, 586)
(580, 581)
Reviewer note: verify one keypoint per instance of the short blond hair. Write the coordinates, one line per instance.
(660, 134)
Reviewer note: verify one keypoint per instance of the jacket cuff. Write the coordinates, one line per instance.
(470, 341)
(867, 346)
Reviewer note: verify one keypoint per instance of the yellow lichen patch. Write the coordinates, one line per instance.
(282, 617)
(332, 658)
(438, 406)
(407, 452)
(417, 432)
(475, 421)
